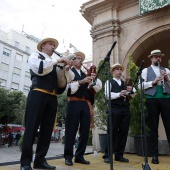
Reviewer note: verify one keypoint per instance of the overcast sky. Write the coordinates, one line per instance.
(59, 19)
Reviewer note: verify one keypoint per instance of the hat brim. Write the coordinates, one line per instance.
(47, 40)
(156, 54)
(115, 66)
(80, 54)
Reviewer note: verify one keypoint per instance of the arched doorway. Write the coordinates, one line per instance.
(154, 39)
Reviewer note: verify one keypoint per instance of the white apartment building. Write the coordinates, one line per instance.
(15, 49)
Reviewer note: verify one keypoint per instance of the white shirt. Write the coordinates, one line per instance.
(78, 71)
(113, 94)
(75, 85)
(156, 70)
(48, 63)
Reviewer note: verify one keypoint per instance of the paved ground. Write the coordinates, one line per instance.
(55, 154)
(12, 154)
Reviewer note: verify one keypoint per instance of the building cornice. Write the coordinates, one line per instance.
(91, 8)
(107, 28)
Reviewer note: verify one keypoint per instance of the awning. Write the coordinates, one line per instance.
(18, 128)
(55, 130)
(12, 129)
(7, 129)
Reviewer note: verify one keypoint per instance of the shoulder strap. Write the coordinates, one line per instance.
(40, 69)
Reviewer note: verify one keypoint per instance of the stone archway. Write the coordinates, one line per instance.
(157, 38)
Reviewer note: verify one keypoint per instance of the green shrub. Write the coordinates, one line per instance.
(135, 103)
(100, 104)
(89, 142)
(20, 142)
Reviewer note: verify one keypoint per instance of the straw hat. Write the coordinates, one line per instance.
(46, 40)
(115, 66)
(156, 52)
(78, 53)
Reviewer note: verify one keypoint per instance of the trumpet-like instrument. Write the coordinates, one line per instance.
(162, 81)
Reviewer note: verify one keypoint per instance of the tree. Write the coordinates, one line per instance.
(62, 102)
(100, 106)
(3, 104)
(11, 103)
(20, 112)
(169, 64)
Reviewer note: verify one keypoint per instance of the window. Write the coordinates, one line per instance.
(14, 86)
(2, 83)
(26, 89)
(16, 44)
(27, 74)
(19, 57)
(17, 71)
(4, 67)
(6, 52)
(27, 49)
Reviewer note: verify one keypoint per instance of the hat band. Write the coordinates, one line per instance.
(156, 53)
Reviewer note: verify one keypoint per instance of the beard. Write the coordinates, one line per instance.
(156, 63)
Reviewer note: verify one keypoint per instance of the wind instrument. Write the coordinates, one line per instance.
(69, 57)
(60, 70)
(92, 69)
(162, 81)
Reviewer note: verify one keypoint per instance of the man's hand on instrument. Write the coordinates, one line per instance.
(64, 60)
(123, 93)
(159, 78)
(93, 75)
(85, 80)
(165, 75)
(67, 67)
(129, 88)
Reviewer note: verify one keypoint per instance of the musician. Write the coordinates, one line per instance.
(41, 105)
(78, 112)
(120, 112)
(157, 92)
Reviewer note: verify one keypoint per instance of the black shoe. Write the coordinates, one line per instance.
(81, 161)
(68, 162)
(155, 160)
(26, 168)
(42, 165)
(121, 159)
(107, 160)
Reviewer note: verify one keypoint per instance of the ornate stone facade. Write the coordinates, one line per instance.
(135, 34)
(120, 20)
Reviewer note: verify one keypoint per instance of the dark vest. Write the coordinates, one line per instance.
(151, 77)
(116, 89)
(46, 82)
(82, 90)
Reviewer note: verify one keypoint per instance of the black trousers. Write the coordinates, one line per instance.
(120, 124)
(155, 107)
(78, 114)
(40, 111)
